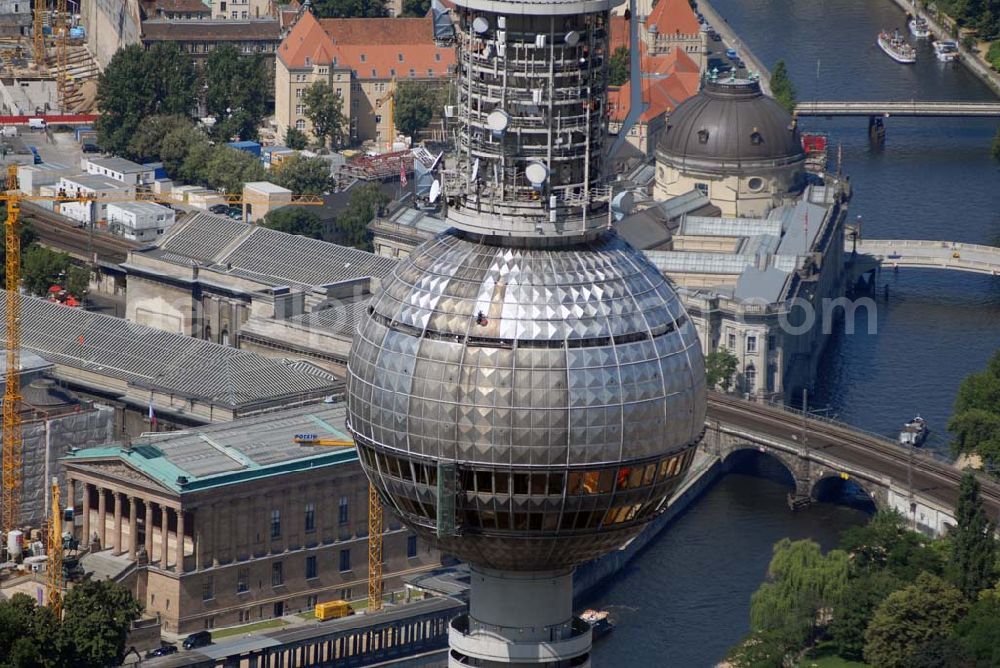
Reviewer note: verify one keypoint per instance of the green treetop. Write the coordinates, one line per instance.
(973, 546)
(781, 86)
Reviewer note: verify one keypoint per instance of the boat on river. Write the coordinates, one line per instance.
(600, 622)
(914, 432)
(919, 28)
(946, 50)
(896, 47)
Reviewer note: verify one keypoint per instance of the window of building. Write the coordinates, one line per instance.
(731, 340)
(430, 71)
(345, 560)
(413, 73)
(243, 580)
(310, 517)
(300, 124)
(275, 523)
(345, 594)
(207, 588)
(277, 574)
(244, 616)
(392, 71)
(299, 109)
(309, 61)
(755, 183)
(378, 118)
(752, 344)
(437, 57)
(234, 13)
(244, 15)
(411, 546)
(310, 567)
(770, 341)
(756, 138)
(702, 188)
(400, 56)
(343, 514)
(210, 622)
(298, 93)
(363, 58)
(751, 376)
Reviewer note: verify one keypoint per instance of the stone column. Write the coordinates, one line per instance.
(133, 537)
(149, 530)
(117, 535)
(164, 523)
(180, 540)
(70, 500)
(198, 538)
(85, 538)
(102, 517)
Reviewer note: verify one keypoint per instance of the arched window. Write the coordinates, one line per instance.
(751, 378)
(224, 338)
(208, 332)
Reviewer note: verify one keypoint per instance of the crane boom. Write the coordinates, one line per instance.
(61, 31)
(374, 522)
(38, 33)
(12, 454)
(54, 567)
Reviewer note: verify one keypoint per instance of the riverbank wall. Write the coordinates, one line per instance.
(590, 577)
(733, 40)
(972, 60)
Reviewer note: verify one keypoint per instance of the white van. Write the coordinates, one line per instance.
(37, 123)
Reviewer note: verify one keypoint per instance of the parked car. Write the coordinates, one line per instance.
(165, 649)
(91, 148)
(221, 209)
(199, 639)
(731, 53)
(716, 37)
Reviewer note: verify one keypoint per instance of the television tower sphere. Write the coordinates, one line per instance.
(526, 390)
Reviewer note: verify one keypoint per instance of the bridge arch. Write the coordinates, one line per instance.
(844, 490)
(761, 462)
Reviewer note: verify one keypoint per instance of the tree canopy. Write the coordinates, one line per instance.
(781, 86)
(975, 420)
(720, 368)
(147, 141)
(296, 139)
(983, 16)
(96, 618)
(414, 106)
(973, 554)
(137, 84)
(344, 9)
(325, 110)
(620, 66)
(238, 93)
(416, 8)
(352, 225)
(42, 268)
(909, 618)
(303, 176)
(295, 220)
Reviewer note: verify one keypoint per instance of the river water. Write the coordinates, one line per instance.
(685, 600)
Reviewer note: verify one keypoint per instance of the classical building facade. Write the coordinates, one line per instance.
(362, 59)
(235, 523)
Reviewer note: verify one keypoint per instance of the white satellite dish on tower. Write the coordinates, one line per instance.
(572, 38)
(537, 173)
(498, 120)
(622, 203)
(475, 169)
(435, 191)
(480, 25)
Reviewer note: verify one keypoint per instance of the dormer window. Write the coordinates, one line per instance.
(309, 61)
(703, 136)
(756, 138)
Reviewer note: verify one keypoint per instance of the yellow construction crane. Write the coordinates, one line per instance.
(390, 96)
(10, 513)
(374, 522)
(12, 450)
(54, 568)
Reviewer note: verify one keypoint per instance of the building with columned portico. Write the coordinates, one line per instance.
(233, 523)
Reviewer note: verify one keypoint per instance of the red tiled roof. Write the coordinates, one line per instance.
(674, 16)
(373, 48)
(619, 32)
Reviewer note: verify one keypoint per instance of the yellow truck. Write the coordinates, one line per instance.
(333, 610)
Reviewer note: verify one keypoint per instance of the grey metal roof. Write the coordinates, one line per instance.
(162, 361)
(729, 227)
(264, 255)
(341, 320)
(717, 126)
(95, 182)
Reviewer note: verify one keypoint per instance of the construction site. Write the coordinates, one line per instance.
(45, 65)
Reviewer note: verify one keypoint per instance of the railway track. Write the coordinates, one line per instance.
(57, 232)
(854, 448)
